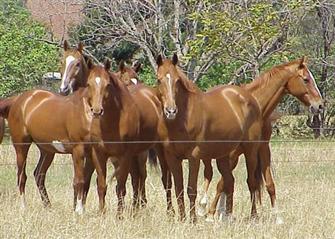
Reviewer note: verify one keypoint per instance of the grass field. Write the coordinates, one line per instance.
(304, 175)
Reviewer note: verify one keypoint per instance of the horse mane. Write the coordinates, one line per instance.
(189, 85)
(265, 78)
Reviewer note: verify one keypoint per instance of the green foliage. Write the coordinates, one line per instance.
(148, 76)
(293, 126)
(23, 59)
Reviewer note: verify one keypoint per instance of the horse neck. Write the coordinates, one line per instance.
(187, 103)
(119, 99)
(268, 92)
(81, 78)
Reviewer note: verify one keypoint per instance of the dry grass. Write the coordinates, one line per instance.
(306, 200)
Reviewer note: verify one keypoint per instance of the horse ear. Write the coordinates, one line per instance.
(65, 45)
(174, 59)
(159, 60)
(121, 66)
(89, 63)
(107, 64)
(137, 67)
(80, 47)
(303, 62)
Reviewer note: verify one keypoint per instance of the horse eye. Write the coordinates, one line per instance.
(306, 80)
(78, 64)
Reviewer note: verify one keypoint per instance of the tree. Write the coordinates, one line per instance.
(23, 59)
(248, 32)
(156, 27)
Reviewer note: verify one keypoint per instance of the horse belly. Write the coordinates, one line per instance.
(222, 135)
(47, 128)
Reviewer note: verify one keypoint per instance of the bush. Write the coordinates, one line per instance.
(24, 58)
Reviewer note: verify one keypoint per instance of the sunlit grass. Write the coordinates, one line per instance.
(304, 176)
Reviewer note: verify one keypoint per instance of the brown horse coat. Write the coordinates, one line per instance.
(210, 124)
(56, 124)
(124, 130)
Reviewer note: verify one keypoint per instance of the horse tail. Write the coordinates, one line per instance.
(152, 157)
(2, 128)
(5, 105)
(259, 178)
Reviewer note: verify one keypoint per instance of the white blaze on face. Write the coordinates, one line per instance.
(58, 146)
(134, 80)
(68, 61)
(315, 85)
(98, 80)
(169, 80)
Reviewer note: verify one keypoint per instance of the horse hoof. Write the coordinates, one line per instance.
(47, 205)
(170, 212)
(279, 220)
(210, 218)
(223, 217)
(79, 211)
(201, 210)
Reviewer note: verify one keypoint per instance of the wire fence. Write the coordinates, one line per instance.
(284, 148)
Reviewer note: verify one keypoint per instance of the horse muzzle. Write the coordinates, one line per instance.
(65, 91)
(316, 108)
(97, 112)
(170, 112)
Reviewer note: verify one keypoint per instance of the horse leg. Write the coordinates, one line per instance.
(21, 157)
(194, 164)
(40, 174)
(212, 209)
(265, 154)
(89, 169)
(78, 155)
(122, 176)
(208, 175)
(226, 199)
(99, 160)
(135, 181)
(142, 166)
(166, 179)
(254, 184)
(175, 166)
(219, 191)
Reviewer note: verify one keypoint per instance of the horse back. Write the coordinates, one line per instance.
(230, 110)
(150, 113)
(45, 116)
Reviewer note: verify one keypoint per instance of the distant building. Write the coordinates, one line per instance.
(58, 15)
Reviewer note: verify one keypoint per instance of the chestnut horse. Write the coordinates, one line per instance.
(183, 102)
(197, 129)
(75, 74)
(264, 149)
(127, 128)
(30, 120)
(268, 89)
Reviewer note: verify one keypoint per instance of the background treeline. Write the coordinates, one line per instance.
(218, 42)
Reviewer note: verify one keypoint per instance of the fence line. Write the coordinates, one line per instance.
(273, 162)
(173, 141)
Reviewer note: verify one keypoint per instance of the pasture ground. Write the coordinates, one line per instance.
(304, 175)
